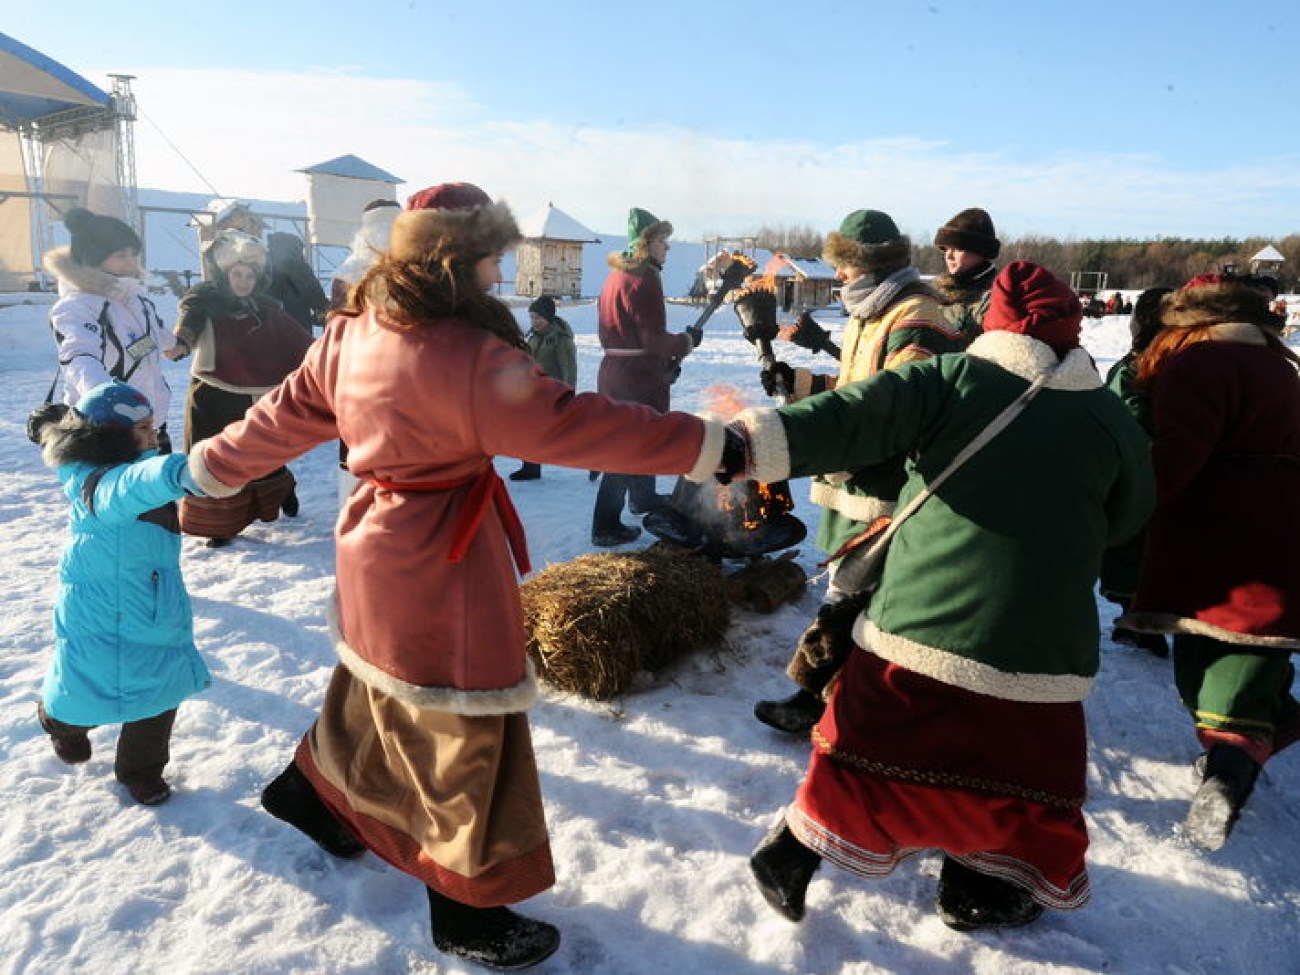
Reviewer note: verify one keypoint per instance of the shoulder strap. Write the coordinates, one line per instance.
(91, 484)
(996, 426)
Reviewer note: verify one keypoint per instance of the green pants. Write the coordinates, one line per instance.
(1235, 688)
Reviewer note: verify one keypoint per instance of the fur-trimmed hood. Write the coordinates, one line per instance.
(75, 440)
(1215, 304)
(1028, 358)
(89, 280)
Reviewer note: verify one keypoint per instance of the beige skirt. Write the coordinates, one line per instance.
(453, 800)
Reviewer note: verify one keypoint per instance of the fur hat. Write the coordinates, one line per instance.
(868, 239)
(543, 306)
(1213, 299)
(114, 404)
(1030, 300)
(971, 230)
(455, 215)
(95, 237)
(231, 247)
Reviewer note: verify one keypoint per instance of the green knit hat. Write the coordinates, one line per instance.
(868, 239)
(642, 225)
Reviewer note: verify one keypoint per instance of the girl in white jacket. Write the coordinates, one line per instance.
(104, 323)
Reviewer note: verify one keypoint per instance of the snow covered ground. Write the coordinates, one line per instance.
(654, 802)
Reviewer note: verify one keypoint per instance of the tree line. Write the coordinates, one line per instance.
(1128, 263)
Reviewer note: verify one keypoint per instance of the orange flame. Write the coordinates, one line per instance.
(724, 402)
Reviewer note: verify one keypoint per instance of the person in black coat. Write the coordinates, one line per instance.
(293, 283)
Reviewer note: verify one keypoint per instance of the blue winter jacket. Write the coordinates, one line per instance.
(123, 628)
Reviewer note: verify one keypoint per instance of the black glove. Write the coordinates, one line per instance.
(807, 333)
(735, 453)
(777, 379)
(696, 332)
(756, 309)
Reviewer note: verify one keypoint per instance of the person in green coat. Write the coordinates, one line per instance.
(1122, 565)
(550, 340)
(957, 721)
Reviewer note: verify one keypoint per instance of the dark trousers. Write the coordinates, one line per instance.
(143, 747)
(614, 490)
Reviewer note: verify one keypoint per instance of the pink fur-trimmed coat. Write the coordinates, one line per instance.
(426, 407)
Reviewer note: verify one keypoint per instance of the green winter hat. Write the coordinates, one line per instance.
(869, 227)
(642, 225)
(868, 239)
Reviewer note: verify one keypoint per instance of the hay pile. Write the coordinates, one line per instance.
(593, 623)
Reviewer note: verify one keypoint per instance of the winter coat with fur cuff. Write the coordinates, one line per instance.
(989, 585)
(130, 349)
(415, 625)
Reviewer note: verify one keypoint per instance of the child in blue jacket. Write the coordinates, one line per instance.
(123, 629)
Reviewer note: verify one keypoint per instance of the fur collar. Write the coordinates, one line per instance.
(1028, 358)
(631, 265)
(964, 288)
(89, 280)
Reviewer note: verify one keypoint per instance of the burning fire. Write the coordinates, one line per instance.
(753, 504)
(724, 402)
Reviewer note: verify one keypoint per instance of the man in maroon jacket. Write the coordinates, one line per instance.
(640, 354)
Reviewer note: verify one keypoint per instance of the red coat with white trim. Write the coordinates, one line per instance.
(433, 406)
(633, 330)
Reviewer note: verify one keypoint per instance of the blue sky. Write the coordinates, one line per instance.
(1115, 119)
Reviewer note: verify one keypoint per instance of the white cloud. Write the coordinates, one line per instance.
(248, 132)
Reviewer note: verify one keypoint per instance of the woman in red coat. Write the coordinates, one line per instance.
(640, 356)
(1220, 568)
(422, 753)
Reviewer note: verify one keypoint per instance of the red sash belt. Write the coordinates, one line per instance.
(485, 488)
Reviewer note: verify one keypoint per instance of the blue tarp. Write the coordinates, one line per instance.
(33, 86)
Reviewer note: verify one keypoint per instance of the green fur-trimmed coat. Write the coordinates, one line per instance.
(989, 585)
(911, 329)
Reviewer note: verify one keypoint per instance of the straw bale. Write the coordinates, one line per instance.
(596, 621)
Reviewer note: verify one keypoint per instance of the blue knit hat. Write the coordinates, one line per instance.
(114, 404)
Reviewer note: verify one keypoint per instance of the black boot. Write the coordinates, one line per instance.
(1230, 775)
(783, 868)
(607, 529)
(290, 505)
(494, 937)
(292, 798)
(796, 714)
(70, 741)
(969, 900)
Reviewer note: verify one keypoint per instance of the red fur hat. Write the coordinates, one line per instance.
(1030, 300)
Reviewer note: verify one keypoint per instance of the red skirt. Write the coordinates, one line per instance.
(903, 763)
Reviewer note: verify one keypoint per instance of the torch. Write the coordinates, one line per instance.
(807, 333)
(739, 268)
(756, 309)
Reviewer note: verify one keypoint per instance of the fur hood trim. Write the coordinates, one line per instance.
(1169, 623)
(1028, 358)
(841, 251)
(75, 440)
(1214, 304)
(88, 280)
(469, 234)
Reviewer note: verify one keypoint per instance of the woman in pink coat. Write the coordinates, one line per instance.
(422, 753)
